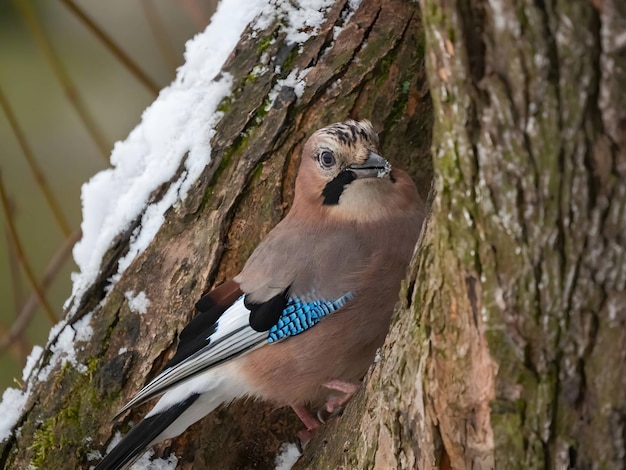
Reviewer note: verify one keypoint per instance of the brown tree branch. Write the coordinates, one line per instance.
(19, 251)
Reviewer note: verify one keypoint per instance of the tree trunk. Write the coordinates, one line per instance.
(374, 69)
(510, 350)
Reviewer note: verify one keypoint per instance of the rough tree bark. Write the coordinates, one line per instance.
(374, 69)
(511, 350)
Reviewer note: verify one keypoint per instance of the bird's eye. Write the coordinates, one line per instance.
(327, 159)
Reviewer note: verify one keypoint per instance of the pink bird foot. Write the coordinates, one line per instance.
(335, 404)
(348, 389)
(310, 422)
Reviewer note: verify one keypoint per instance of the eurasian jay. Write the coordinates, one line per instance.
(301, 323)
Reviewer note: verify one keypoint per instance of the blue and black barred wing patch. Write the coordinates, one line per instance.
(298, 315)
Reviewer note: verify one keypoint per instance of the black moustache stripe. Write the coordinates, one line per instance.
(334, 188)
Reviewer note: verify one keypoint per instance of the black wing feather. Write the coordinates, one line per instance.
(265, 315)
(210, 307)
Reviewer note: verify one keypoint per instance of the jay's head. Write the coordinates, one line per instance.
(342, 172)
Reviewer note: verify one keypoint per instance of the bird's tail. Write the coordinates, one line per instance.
(142, 436)
(177, 409)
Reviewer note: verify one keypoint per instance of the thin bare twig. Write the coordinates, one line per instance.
(16, 275)
(160, 34)
(34, 166)
(30, 307)
(119, 54)
(30, 18)
(21, 256)
(21, 347)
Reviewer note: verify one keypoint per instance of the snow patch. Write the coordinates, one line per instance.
(302, 18)
(288, 456)
(137, 303)
(145, 462)
(11, 408)
(117, 438)
(63, 351)
(62, 340)
(31, 362)
(94, 455)
(378, 356)
(14, 400)
(294, 80)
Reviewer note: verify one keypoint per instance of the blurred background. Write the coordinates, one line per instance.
(75, 76)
